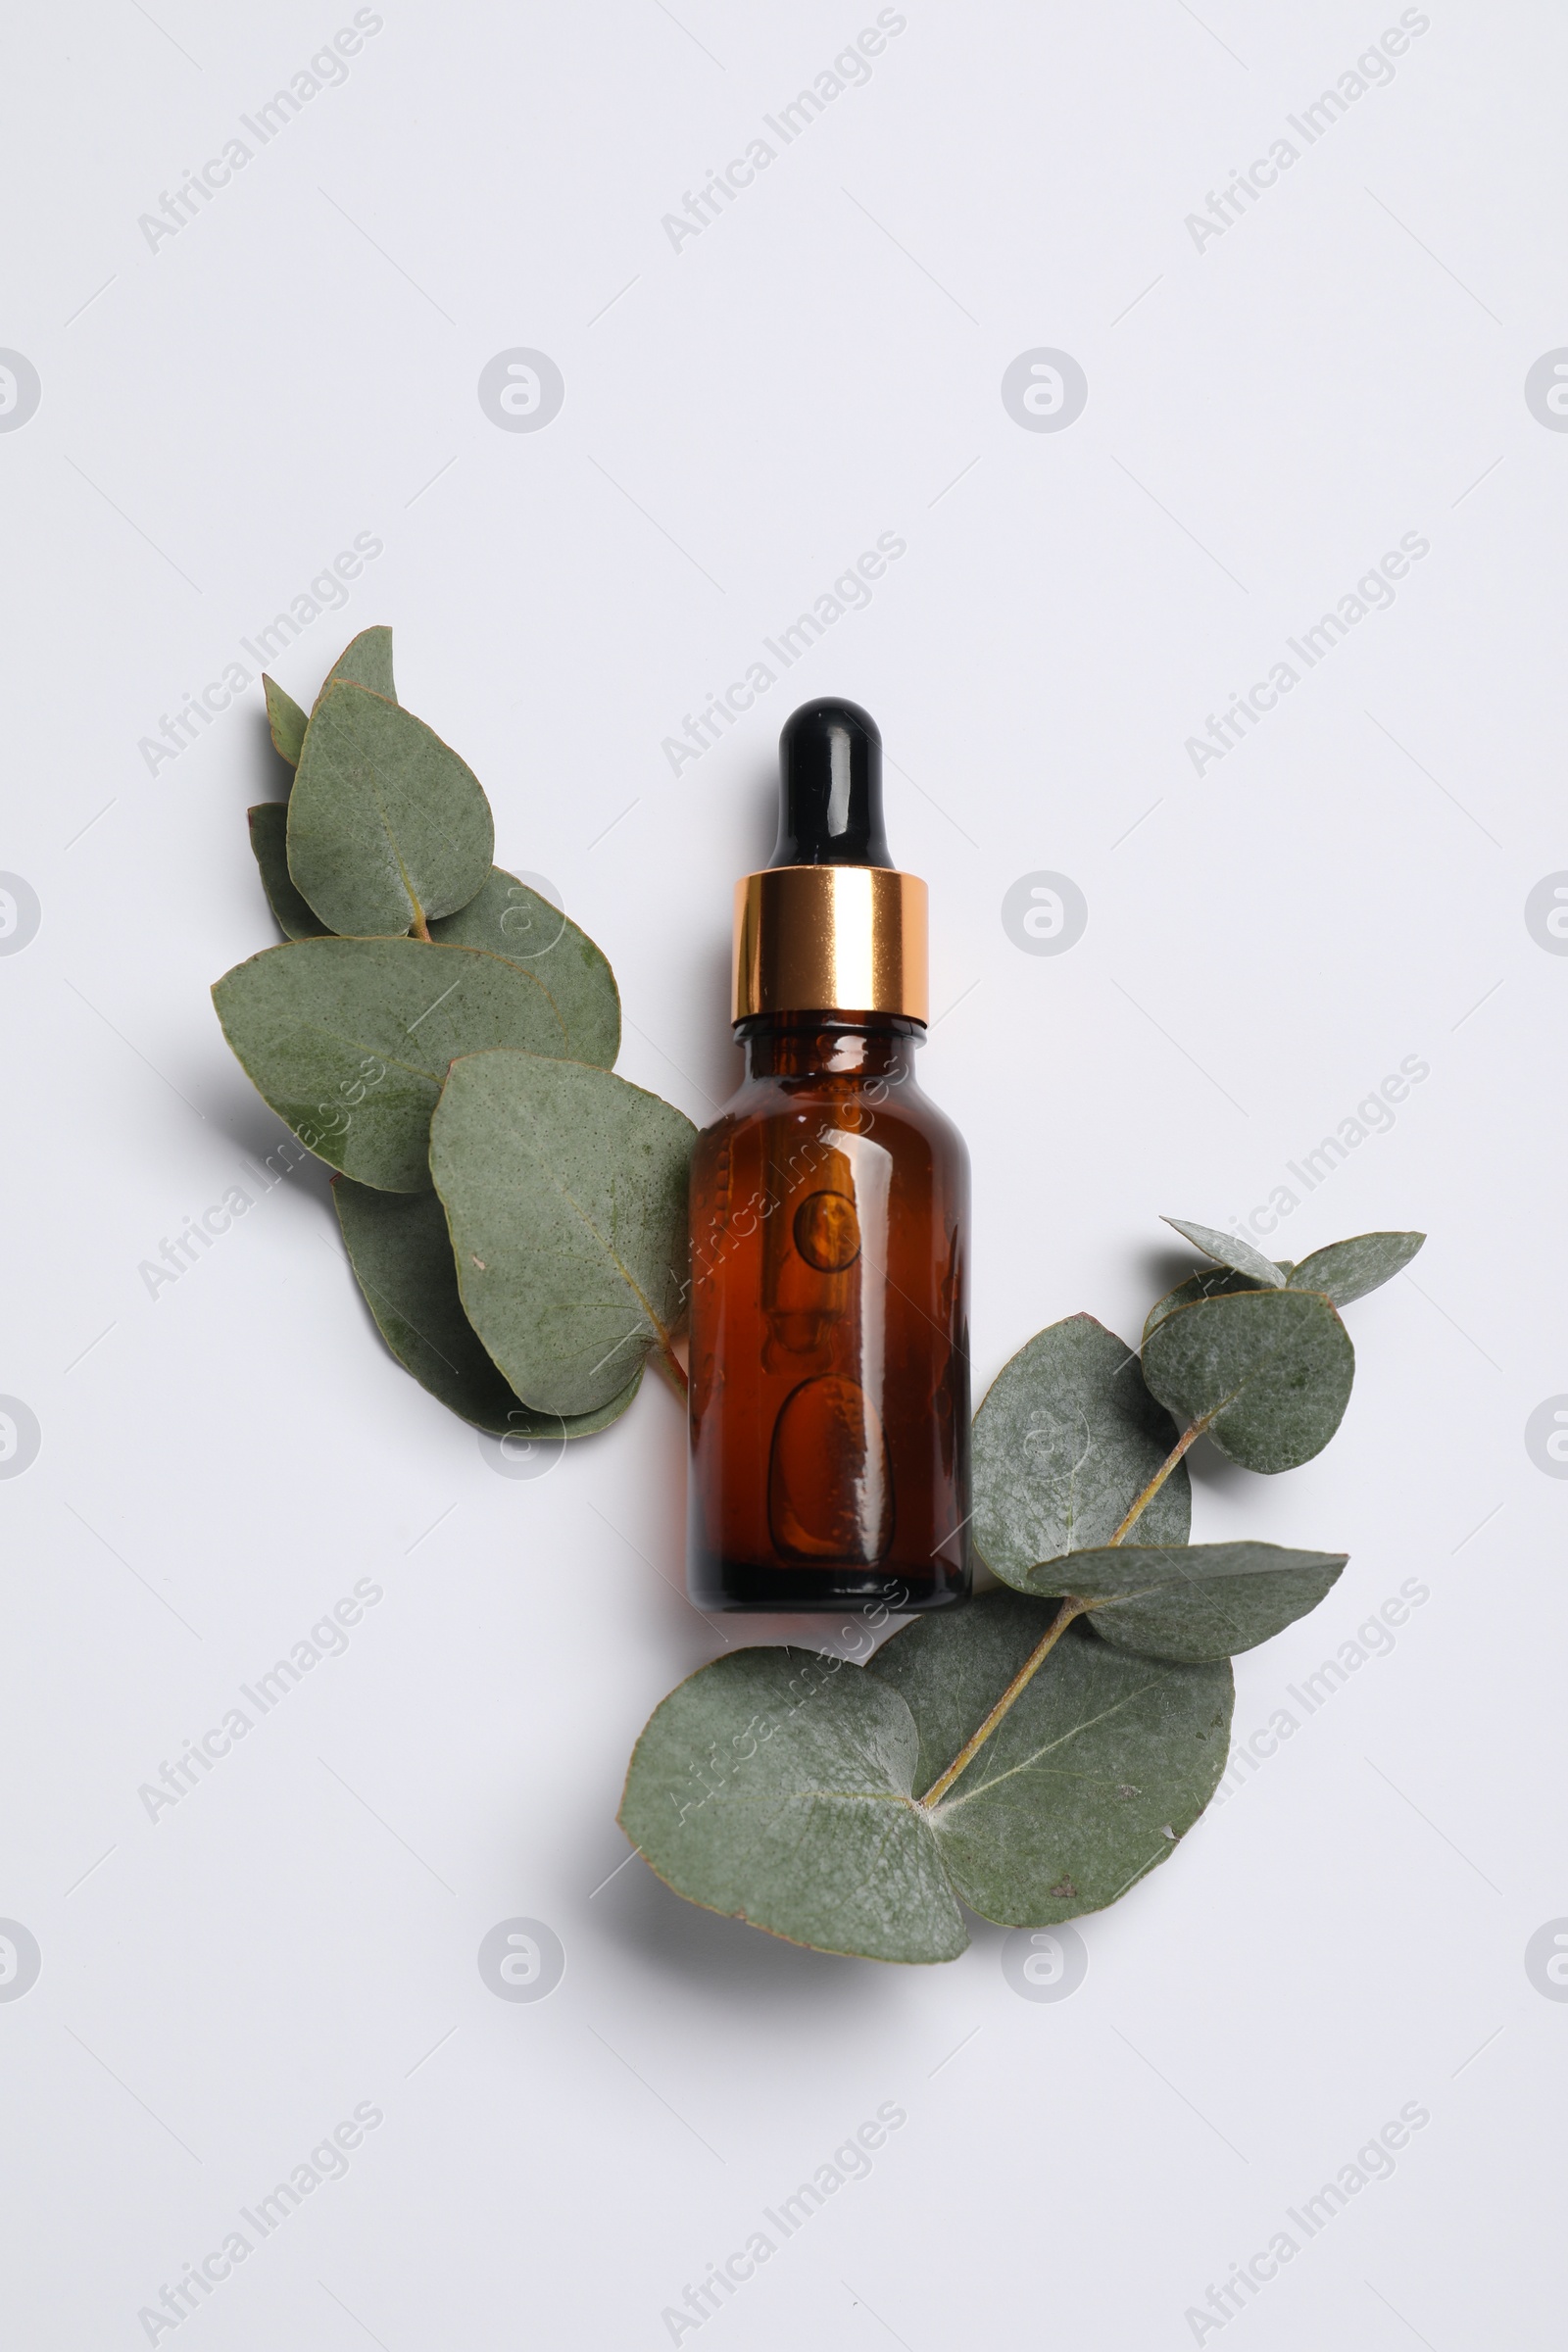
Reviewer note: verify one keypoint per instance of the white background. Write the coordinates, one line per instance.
(220, 1462)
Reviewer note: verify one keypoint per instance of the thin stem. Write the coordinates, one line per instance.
(1069, 1610)
(422, 929)
(1143, 1501)
(671, 1370)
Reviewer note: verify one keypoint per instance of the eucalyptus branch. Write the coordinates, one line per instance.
(1069, 1610)
(1142, 1501)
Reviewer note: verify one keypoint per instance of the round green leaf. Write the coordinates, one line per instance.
(1193, 1601)
(566, 1195)
(774, 1786)
(1102, 1765)
(1266, 1374)
(1347, 1270)
(401, 1254)
(386, 825)
(268, 824)
(285, 720)
(1065, 1440)
(509, 919)
(1209, 1282)
(349, 1040)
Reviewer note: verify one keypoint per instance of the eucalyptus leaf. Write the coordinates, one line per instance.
(1100, 1766)
(365, 660)
(566, 1194)
(1266, 1374)
(782, 1789)
(509, 919)
(1193, 1601)
(401, 1254)
(349, 1040)
(268, 824)
(774, 1786)
(1347, 1270)
(387, 827)
(1231, 1251)
(285, 720)
(1065, 1440)
(1209, 1282)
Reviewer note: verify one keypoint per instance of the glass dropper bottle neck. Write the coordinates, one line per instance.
(830, 1045)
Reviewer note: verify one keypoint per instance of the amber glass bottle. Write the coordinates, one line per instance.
(829, 1216)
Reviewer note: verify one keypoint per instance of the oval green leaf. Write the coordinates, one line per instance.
(509, 919)
(400, 1255)
(1231, 1251)
(1348, 1270)
(1101, 1767)
(268, 824)
(387, 827)
(287, 721)
(1194, 1602)
(566, 1195)
(365, 660)
(775, 1786)
(1065, 1440)
(349, 1040)
(1266, 1374)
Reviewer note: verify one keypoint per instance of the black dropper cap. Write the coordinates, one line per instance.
(830, 788)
